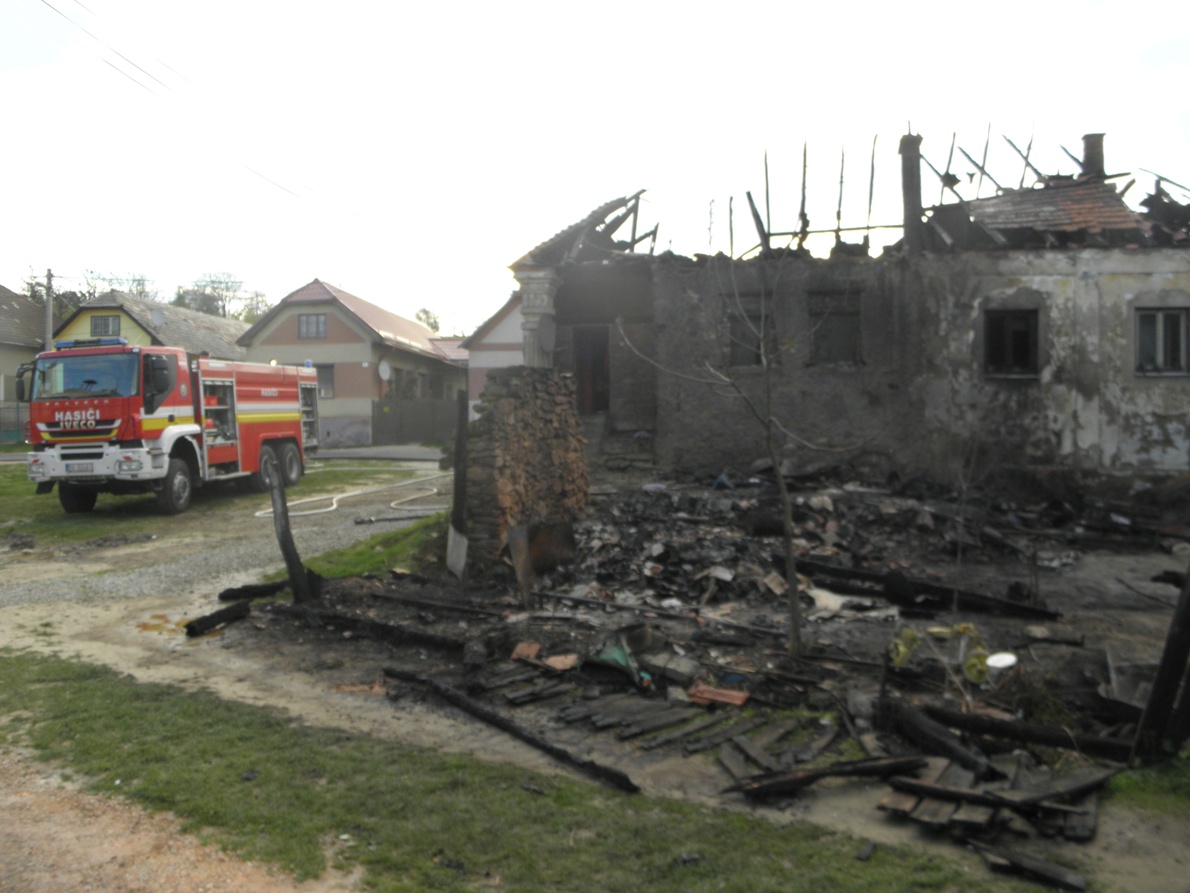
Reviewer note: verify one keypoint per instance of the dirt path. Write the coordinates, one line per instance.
(61, 839)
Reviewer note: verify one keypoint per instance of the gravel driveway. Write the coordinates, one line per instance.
(228, 551)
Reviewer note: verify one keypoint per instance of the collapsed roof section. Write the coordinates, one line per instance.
(592, 237)
(1057, 211)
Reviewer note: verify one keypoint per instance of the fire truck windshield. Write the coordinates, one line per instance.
(95, 375)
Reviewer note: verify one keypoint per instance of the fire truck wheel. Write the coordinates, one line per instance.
(261, 482)
(174, 495)
(76, 499)
(291, 464)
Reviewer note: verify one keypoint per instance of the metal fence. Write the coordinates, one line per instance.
(413, 421)
(13, 417)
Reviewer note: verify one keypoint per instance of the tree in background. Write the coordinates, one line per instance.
(253, 307)
(136, 285)
(224, 288)
(213, 294)
(65, 301)
(428, 319)
(198, 300)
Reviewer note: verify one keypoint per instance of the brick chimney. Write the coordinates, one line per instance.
(1093, 156)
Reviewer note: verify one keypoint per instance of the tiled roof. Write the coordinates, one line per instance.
(177, 326)
(393, 330)
(449, 350)
(22, 322)
(1079, 206)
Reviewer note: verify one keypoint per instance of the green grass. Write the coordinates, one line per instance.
(419, 548)
(1163, 788)
(270, 788)
(42, 517)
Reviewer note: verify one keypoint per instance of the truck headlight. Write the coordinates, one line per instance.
(36, 470)
(129, 466)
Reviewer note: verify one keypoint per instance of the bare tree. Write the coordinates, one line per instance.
(223, 287)
(252, 307)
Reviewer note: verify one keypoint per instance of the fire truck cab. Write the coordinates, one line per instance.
(108, 417)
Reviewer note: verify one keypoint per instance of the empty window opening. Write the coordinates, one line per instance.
(1010, 342)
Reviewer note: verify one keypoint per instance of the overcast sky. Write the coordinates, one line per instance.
(409, 153)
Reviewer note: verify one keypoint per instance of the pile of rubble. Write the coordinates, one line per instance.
(669, 634)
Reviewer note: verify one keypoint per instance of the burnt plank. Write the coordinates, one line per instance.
(756, 754)
(937, 812)
(775, 731)
(693, 729)
(1058, 788)
(739, 727)
(903, 802)
(792, 782)
(663, 720)
(623, 713)
(818, 745)
(1081, 826)
(733, 761)
(606, 774)
(978, 816)
(550, 688)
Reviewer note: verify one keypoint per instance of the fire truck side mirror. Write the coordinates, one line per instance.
(22, 391)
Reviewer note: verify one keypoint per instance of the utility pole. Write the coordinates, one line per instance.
(49, 309)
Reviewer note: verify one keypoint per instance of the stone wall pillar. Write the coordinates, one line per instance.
(538, 288)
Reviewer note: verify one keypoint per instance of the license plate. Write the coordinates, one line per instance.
(80, 467)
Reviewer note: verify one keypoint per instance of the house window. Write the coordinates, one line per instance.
(1161, 340)
(1010, 342)
(326, 382)
(105, 326)
(311, 325)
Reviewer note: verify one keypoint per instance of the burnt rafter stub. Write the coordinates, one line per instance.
(526, 471)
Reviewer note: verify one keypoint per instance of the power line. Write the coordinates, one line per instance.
(111, 49)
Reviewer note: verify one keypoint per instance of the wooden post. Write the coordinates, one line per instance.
(299, 580)
(1152, 735)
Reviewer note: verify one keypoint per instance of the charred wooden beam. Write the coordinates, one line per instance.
(605, 774)
(1153, 737)
(793, 782)
(251, 591)
(1033, 733)
(201, 625)
(913, 725)
(389, 633)
(921, 594)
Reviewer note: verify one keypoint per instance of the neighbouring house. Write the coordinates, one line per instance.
(22, 336)
(143, 322)
(381, 378)
(1044, 328)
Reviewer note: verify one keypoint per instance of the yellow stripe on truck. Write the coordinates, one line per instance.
(250, 417)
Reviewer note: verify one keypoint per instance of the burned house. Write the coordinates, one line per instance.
(1041, 328)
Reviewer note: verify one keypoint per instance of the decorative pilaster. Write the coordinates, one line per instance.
(538, 288)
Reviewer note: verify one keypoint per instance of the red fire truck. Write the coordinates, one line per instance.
(108, 417)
